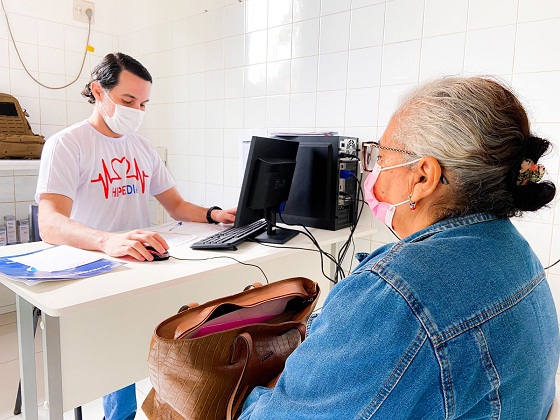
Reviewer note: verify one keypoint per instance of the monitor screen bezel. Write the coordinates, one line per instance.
(261, 148)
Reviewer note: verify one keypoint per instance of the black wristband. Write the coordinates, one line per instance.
(209, 212)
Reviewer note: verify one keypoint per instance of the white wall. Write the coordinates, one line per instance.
(51, 44)
(260, 65)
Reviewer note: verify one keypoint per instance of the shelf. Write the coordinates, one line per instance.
(18, 164)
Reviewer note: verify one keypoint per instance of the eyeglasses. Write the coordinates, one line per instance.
(370, 154)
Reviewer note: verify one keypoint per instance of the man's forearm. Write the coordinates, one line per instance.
(189, 212)
(60, 230)
(180, 209)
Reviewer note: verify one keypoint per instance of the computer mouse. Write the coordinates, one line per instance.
(157, 256)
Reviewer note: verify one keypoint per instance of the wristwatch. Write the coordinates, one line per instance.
(209, 212)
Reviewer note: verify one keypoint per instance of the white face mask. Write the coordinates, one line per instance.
(125, 120)
(380, 209)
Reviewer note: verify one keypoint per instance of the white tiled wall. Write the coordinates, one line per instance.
(227, 69)
(263, 65)
(51, 46)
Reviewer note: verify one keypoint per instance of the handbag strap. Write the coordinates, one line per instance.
(187, 307)
(237, 397)
(233, 402)
(195, 304)
(252, 286)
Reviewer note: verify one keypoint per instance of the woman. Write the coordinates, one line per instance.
(456, 320)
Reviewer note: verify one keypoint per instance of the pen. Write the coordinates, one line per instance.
(176, 226)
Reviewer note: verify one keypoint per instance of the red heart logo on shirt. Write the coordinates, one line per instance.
(118, 167)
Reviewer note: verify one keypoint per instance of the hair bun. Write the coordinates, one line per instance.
(535, 147)
(533, 196)
(529, 193)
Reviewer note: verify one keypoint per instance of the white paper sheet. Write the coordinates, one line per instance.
(58, 258)
(174, 233)
(174, 240)
(179, 233)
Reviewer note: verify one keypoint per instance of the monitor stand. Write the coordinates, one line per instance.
(274, 235)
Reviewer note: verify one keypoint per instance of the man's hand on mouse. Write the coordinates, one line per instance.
(133, 243)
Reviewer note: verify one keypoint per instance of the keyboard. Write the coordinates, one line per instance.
(227, 239)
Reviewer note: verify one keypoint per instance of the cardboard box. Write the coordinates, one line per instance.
(10, 222)
(3, 240)
(22, 231)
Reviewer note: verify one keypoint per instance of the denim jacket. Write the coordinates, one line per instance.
(453, 322)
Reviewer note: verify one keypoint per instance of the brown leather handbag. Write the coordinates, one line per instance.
(205, 360)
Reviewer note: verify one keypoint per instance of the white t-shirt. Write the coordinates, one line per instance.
(108, 179)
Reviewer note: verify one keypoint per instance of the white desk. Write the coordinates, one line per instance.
(97, 330)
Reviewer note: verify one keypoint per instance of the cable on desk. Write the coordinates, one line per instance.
(552, 265)
(358, 213)
(223, 256)
(322, 252)
(339, 272)
(313, 240)
(301, 249)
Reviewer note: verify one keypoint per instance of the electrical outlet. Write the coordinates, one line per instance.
(79, 10)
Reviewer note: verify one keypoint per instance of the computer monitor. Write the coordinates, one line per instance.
(325, 185)
(266, 186)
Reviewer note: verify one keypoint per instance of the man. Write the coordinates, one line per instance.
(96, 177)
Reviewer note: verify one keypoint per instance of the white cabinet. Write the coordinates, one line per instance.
(16, 165)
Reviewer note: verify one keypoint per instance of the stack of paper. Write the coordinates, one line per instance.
(59, 262)
(304, 133)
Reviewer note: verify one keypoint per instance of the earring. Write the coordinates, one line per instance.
(412, 204)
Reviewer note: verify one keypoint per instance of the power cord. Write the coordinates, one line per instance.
(322, 253)
(348, 156)
(89, 14)
(223, 256)
(300, 249)
(552, 265)
(339, 271)
(357, 215)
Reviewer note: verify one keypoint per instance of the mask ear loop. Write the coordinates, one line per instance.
(104, 110)
(101, 102)
(107, 93)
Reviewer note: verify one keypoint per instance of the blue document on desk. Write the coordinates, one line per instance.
(55, 263)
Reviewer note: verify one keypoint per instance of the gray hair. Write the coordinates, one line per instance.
(479, 132)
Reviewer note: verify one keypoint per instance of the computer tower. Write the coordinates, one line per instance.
(325, 184)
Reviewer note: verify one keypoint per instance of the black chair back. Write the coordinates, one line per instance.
(34, 235)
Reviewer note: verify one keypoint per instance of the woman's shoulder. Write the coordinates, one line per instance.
(457, 274)
(464, 255)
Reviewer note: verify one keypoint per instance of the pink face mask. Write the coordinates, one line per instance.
(381, 210)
